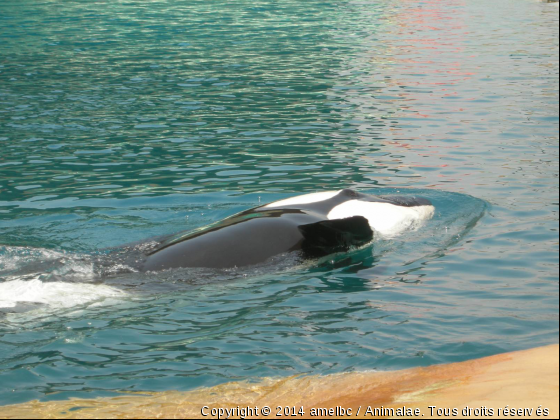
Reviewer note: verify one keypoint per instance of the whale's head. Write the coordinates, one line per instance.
(387, 215)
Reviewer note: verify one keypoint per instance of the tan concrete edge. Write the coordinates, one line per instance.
(526, 380)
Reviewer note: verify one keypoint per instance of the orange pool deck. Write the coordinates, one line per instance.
(526, 380)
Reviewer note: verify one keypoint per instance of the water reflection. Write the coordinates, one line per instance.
(210, 98)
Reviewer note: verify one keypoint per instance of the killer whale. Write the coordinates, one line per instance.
(315, 225)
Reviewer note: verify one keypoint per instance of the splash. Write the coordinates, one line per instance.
(32, 278)
(58, 295)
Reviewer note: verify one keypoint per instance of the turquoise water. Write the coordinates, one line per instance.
(123, 120)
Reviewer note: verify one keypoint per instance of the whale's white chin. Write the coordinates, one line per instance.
(385, 219)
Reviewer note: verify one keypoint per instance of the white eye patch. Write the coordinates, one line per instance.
(386, 219)
(304, 199)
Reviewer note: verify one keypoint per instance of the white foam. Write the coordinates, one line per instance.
(56, 294)
(384, 218)
(13, 257)
(304, 199)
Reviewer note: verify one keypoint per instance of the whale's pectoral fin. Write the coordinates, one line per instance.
(326, 237)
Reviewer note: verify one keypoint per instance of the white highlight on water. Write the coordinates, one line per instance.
(56, 294)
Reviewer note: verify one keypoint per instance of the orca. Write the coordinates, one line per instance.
(315, 225)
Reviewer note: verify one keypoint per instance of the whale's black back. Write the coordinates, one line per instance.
(255, 236)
